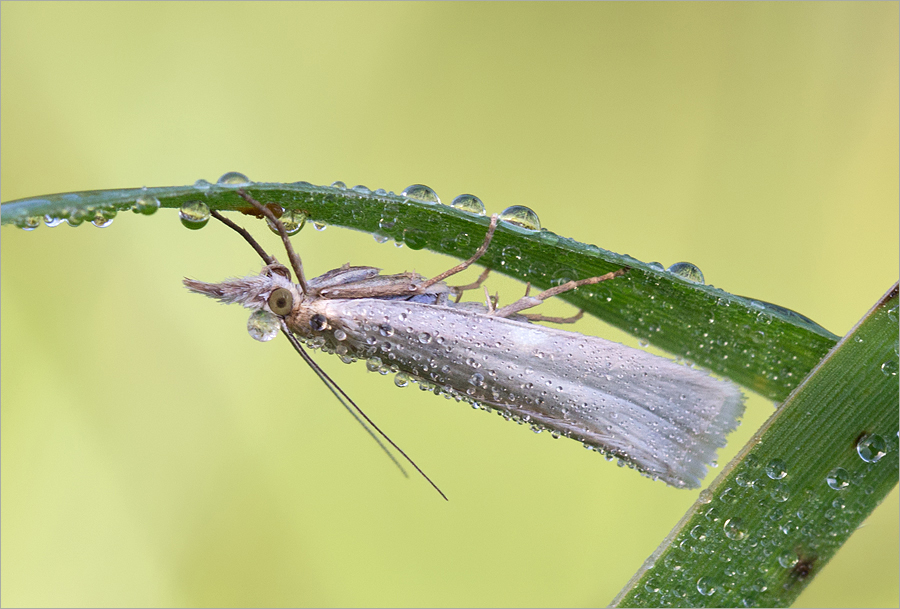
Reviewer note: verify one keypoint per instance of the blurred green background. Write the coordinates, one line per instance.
(154, 454)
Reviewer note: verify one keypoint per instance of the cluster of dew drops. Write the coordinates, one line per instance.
(195, 214)
(870, 448)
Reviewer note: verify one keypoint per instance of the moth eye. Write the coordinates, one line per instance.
(281, 301)
(318, 322)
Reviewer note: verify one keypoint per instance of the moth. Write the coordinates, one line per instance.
(661, 418)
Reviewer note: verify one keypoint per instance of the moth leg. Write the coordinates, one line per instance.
(489, 302)
(555, 320)
(464, 265)
(459, 289)
(296, 264)
(527, 302)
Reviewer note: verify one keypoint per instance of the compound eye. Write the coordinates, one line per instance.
(281, 301)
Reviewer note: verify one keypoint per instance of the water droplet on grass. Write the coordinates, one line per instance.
(522, 216)
(233, 178)
(469, 203)
(776, 469)
(420, 192)
(292, 220)
(146, 204)
(838, 479)
(871, 448)
(688, 271)
(194, 214)
(734, 529)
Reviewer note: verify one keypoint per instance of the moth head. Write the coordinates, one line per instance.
(271, 290)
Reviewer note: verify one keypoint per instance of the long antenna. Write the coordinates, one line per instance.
(292, 255)
(335, 389)
(322, 375)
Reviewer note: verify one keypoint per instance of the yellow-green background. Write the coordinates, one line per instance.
(153, 454)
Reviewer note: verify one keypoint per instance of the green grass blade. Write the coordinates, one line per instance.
(763, 347)
(796, 492)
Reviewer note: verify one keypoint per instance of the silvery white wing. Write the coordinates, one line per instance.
(664, 419)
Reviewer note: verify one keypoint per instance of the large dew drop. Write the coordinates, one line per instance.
(103, 218)
(871, 448)
(469, 203)
(233, 178)
(292, 220)
(688, 271)
(263, 326)
(522, 216)
(146, 205)
(194, 214)
(29, 223)
(420, 192)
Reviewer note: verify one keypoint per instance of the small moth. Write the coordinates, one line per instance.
(663, 419)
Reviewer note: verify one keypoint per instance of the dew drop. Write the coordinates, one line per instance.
(103, 218)
(233, 178)
(424, 338)
(889, 368)
(871, 448)
(420, 192)
(29, 223)
(729, 495)
(734, 529)
(53, 221)
(339, 185)
(838, 479)
(386, 330)
(656, 266)
(401, 379)
(705, 586)
(194, 214)
(380, 237)
(522, 216)
(686, 270)
(373, 364)
(469, 203)
(263, 326)
(340, 334)
(414, 239)
(776, 469)
(320, 226)
(651, 585)
(563, 275)
(779, 492)
(293, 220)
(202, 185)
(787, 559)
(146, 204)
